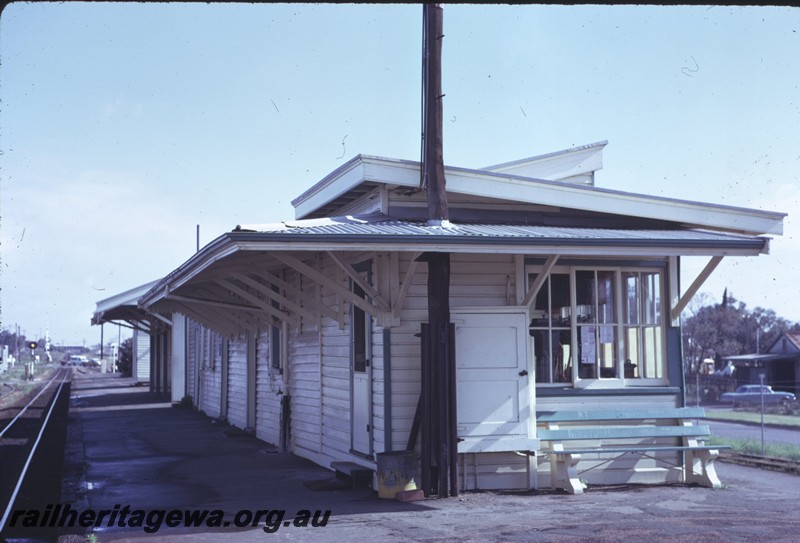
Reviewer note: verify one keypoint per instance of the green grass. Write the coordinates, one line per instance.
(751, 416)
(753, 447)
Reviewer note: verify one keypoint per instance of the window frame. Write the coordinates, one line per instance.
(643, 324)
(620, 326)
(276, 349)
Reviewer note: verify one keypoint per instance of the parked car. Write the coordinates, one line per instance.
(77, 360)
(751, 395)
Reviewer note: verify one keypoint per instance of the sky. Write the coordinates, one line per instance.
(124, 126)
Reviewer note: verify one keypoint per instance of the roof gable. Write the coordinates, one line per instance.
(362, 174)
(111, 308)
(786, 343)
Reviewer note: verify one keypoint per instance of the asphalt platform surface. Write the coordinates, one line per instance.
(127, 448)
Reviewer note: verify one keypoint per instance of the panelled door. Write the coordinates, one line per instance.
(492, 379)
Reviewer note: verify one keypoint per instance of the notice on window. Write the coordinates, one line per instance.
(588, 345)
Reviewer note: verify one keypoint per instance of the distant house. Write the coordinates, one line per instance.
(780, 365)
(563, 296)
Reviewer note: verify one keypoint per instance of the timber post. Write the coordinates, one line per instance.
(438, 379)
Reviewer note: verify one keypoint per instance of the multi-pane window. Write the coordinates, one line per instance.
(590, 324)
(642, 325)
(595, 297)
(551, 330)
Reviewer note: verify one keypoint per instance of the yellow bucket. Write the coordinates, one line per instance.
(396, 473)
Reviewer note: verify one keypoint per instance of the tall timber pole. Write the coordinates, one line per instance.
(438, 400)
(433, 162)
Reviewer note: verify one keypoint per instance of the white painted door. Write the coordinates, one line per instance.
(492, 376)
(361, 418)
(361, 378)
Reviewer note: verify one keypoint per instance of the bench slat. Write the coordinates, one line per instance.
(621, 432)
(621, 414)
(612, 450)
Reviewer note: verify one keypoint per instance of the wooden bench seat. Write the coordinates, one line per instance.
(644, 431)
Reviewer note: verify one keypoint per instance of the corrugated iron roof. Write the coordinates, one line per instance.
(377, 231)
(380, 225)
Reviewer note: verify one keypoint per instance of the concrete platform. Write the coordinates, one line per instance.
(127, 448)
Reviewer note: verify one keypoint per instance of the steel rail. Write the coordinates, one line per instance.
(30, 456)
(27, 405)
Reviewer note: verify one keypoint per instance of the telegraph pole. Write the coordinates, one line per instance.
(433, 161)
(438, 399)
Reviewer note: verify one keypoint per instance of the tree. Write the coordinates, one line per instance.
(13, 341)
(125, 363)
(729, 329)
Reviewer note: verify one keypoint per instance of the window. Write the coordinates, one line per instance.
(359, 334)
(275, 347)
(596, 318)
(602, 324)
(642, 325)
(361, 323)
(213, 343)
(551, 330)
(275, 337)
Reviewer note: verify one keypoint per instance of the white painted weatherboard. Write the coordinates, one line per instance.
(179, 359)
(269, 392)
(237, 381)
(141, 364)
(192, 355)
(211, 373)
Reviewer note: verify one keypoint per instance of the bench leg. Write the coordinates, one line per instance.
(700, 468)
(564, 474)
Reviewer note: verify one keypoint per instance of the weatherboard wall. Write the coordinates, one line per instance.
(204, 368)
(211, 373)
(237, 381)
(305, 366)
(318, 375)
(476, 281)
(269, 390)
(192, 362)
(141, 341)
(320, 364)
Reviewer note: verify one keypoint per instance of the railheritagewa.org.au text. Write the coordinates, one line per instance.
(151, 521)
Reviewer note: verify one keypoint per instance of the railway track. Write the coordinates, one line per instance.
(763, 462)
(59, 376)
(32, 432)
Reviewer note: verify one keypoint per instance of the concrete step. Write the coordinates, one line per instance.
(358, 476)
